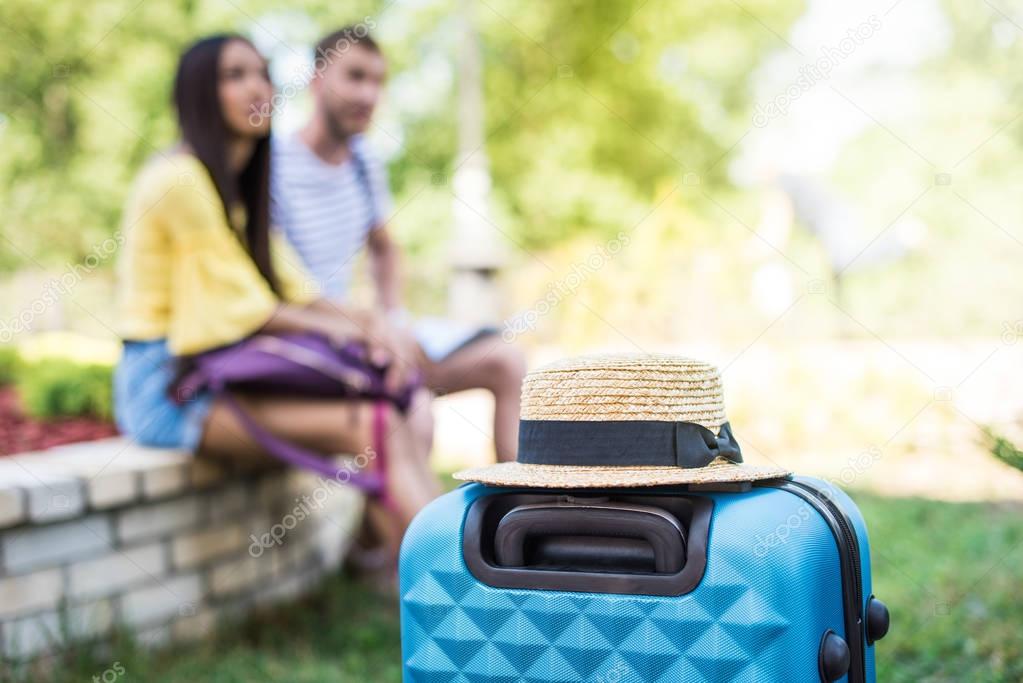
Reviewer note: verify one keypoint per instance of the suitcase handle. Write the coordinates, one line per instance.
(613, 535)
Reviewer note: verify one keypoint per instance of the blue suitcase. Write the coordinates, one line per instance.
(771, 583)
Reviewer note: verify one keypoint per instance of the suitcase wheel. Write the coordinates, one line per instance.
(834, 657)
(878, 620)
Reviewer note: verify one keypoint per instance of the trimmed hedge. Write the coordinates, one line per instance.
(60, 388)
(9, 362)
(57, 387)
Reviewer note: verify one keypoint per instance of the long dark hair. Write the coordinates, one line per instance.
(205, 129)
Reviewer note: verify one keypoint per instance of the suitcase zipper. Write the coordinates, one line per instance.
(848, 534)
(849, 556)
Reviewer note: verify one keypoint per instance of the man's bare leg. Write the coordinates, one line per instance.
(488, 363)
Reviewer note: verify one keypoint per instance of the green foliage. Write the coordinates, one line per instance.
(591, 111)
(58, 388)
(9, 363)
(51, 387)
(1004, 449)
(82, 109)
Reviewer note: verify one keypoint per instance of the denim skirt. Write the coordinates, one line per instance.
(143, 408)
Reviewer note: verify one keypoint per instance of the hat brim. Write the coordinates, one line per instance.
(563, 476)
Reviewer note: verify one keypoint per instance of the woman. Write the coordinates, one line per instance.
(201, 269)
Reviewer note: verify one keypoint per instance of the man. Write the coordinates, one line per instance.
(330, 197)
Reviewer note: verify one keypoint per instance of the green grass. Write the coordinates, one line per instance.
(344, 632)
(951, 574)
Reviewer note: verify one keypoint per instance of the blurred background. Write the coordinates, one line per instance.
(817, 196)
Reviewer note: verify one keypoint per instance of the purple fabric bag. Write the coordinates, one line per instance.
(297, 365)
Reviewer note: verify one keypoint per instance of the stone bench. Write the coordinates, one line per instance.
(105, 534)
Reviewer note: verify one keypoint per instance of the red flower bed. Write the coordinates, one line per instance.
(20, 433)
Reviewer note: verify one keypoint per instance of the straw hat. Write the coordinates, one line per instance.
(625, 420)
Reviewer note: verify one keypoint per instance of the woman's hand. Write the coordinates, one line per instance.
(387, 345)
(397, 349)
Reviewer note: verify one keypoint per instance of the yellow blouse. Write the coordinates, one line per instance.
(183, 274)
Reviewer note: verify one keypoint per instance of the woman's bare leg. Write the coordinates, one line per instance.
(419, 417)
(377, 529)
(488, 363)
(329, 427)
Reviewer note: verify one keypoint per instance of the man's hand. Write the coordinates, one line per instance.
(408, 358)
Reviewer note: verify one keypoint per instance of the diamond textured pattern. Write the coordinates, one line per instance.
(756, 616)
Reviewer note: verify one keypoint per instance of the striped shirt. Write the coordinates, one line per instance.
(327, 211)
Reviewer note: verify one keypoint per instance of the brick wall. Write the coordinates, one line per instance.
(106, 533)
